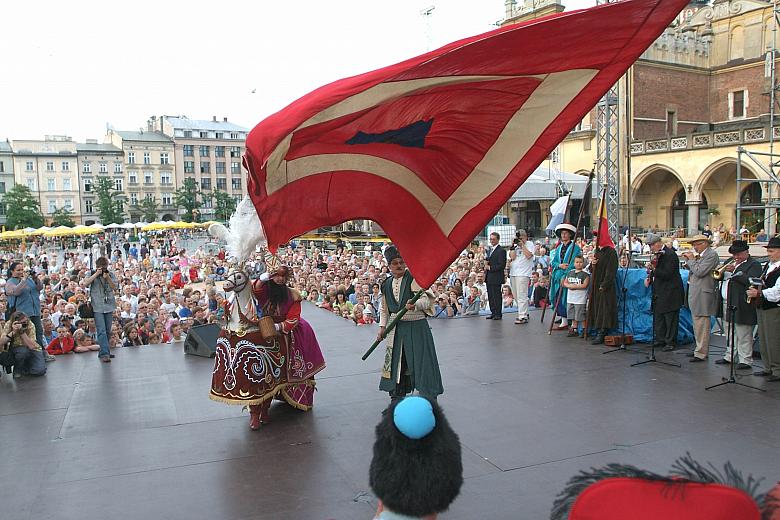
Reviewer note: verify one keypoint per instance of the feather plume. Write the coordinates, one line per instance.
(244, 232)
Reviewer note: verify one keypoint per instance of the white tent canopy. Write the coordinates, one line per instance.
(542, 185)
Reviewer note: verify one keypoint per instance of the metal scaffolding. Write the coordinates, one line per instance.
(608, 152)
(769, 202)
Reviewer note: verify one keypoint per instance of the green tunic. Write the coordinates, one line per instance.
(412, 340)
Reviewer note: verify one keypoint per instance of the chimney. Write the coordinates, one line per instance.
(224, 119)
(214, 119)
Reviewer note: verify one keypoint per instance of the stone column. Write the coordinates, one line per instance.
(693, 216)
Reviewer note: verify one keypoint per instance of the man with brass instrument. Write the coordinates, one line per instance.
(702, 294)
(737, 277)
(769, 312)
(668, 292)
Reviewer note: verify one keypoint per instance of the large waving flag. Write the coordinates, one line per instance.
(432, 147)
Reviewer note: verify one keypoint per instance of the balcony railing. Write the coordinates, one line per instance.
(697, 141)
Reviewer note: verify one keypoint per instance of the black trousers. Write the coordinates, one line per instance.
(666, 325)
(494, 298)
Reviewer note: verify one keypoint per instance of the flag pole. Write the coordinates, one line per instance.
(570, 252)
(391, 325)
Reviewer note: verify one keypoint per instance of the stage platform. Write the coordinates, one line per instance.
(139, 438)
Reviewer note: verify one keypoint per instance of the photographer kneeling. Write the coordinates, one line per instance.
(19, 337)
(102, 284)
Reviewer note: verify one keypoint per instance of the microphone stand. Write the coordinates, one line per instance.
(730, 345)
(651, 358)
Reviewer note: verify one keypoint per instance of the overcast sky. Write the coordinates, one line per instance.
(72, 67)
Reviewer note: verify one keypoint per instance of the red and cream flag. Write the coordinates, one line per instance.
(432, 147)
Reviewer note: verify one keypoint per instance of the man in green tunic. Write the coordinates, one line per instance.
(410, 360)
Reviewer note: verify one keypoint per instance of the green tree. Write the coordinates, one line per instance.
(22, 208)
(110, 204)
(186, 198)
(224, 204)
(62, 217)
(148, 208)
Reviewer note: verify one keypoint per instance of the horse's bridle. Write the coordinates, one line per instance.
(237, 288)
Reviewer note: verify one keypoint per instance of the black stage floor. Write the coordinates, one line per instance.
(139, 438)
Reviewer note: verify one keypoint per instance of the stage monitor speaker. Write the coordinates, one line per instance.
(202, 340)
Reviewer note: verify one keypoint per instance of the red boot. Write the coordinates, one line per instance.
(254, 416)
(264, 415)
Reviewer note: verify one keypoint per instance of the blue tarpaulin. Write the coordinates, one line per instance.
(638, 318)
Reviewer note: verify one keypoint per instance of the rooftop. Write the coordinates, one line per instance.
(184, 123)
(144, 136)
(97, 147)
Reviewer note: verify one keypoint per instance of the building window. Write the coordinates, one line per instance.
(204, 135)
(69, 204)
(166, 199)
(237, 199)
(65, 166)
(164, 158)
(49, 166)
(132, 177)
(220, 135)
(221, 167)
(66, 185)
(204, 151)
(187, 133)
(221, 183)
(234, 136)
(219, 151)
(134, 199)
(671, 123)
(87, 185)
(208, 203)
(52, 205)
(147, 158)
(189, 150)
(29, 166)
(235, 151)
(149, 196)
(87, 168)
(2, 166)
(236, 183)
(50, 185)
(3, 208)
(148, 178)
(738, 102)
(205, 183)
(189, 167)
(103, 167)
(205, 167)
(2, 186)
(235, 167)
(119, 184)
(131, 158)
(31, 185)
(117, 167)
(165, 178)
(88, 206)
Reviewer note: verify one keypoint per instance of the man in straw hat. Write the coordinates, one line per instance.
(561, 263)
(769, 313)
(702, 292)
(668, 292)
(735, 305)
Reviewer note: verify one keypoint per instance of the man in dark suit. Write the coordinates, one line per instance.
(736, 307)
(495, 275)
(668, 292)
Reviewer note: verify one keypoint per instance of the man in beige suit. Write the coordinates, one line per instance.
(702, 293)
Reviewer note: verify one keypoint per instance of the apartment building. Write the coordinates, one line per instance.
(6, 175)
(97, 160)
(208, 151)
(149, 167)
(50, 169)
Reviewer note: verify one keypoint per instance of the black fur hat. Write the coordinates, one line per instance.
(416, 477)
(391, 252)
